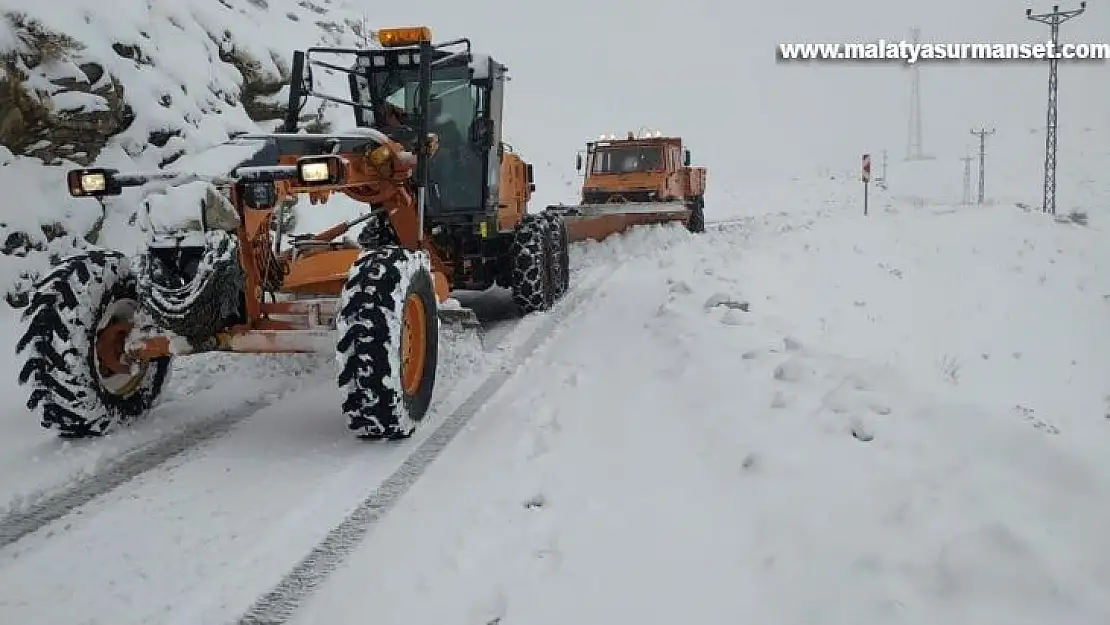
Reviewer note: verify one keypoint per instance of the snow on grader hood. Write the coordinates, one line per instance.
(446, 209)
(635, 181)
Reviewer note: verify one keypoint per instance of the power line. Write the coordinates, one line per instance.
(982, 133)
(1053, 20)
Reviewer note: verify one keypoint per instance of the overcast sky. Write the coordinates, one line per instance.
(706, 69)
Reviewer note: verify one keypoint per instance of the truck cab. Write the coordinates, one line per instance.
(644, 169)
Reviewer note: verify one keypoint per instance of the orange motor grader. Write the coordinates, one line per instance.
(445, 208)
(637, 180)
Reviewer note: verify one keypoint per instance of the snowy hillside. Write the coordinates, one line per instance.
(136, 87)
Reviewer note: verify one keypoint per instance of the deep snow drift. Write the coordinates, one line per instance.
(908, 425)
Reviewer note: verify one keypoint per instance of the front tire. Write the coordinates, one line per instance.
(76, 322)
(388, 346)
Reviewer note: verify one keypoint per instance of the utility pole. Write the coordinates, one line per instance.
(967, 179)
(1053, 20)
(982, 133)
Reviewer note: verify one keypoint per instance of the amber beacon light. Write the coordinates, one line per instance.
(408, 36)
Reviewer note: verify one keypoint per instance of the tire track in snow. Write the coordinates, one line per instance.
(278, 605)
(727, 224)
(125, 467)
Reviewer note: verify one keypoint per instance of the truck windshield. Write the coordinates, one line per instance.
(626, 159)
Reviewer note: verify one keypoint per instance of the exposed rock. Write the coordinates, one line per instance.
(132, 52)
(315, 8)
(258, 87)
(29, 123)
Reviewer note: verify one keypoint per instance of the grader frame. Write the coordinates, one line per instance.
(367, 166)
(446, 210)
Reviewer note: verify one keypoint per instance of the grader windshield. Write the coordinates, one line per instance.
(463, 109)
(457, 103)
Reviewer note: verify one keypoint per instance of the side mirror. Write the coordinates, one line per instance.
(532, 187)
(686, 158)
(531, 174)
(578, 162)
(481, 133)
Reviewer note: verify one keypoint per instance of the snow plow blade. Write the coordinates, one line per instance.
(598, 221)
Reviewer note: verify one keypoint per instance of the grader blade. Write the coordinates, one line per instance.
(598, 221)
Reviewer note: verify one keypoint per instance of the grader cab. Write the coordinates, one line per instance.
(637, 180)
(445, 208)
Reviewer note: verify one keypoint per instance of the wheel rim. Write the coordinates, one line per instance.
(111, 334)
(414, 348)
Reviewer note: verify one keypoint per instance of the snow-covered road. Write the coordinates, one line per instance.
(793, 419)
(192, 515)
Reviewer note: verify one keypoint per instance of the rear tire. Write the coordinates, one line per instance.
(71, 390)
(530, 257)
(696, 221)
(387, 307)
(560, 254)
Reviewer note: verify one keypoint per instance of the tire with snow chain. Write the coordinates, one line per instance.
(196, 293)
(696, 222)
(531, 260)
(72, 313)
(388, 342)
(560, 253)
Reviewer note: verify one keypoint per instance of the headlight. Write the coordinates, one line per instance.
(91, 183)
(314, 172)
(322, 170)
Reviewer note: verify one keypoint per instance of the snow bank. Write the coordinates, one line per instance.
(36, 203)
(994, 304)
(750, 425)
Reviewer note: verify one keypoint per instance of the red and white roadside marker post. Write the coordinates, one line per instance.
(866, 180)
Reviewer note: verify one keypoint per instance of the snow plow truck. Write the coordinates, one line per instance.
(637, 180)
(445, 208)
